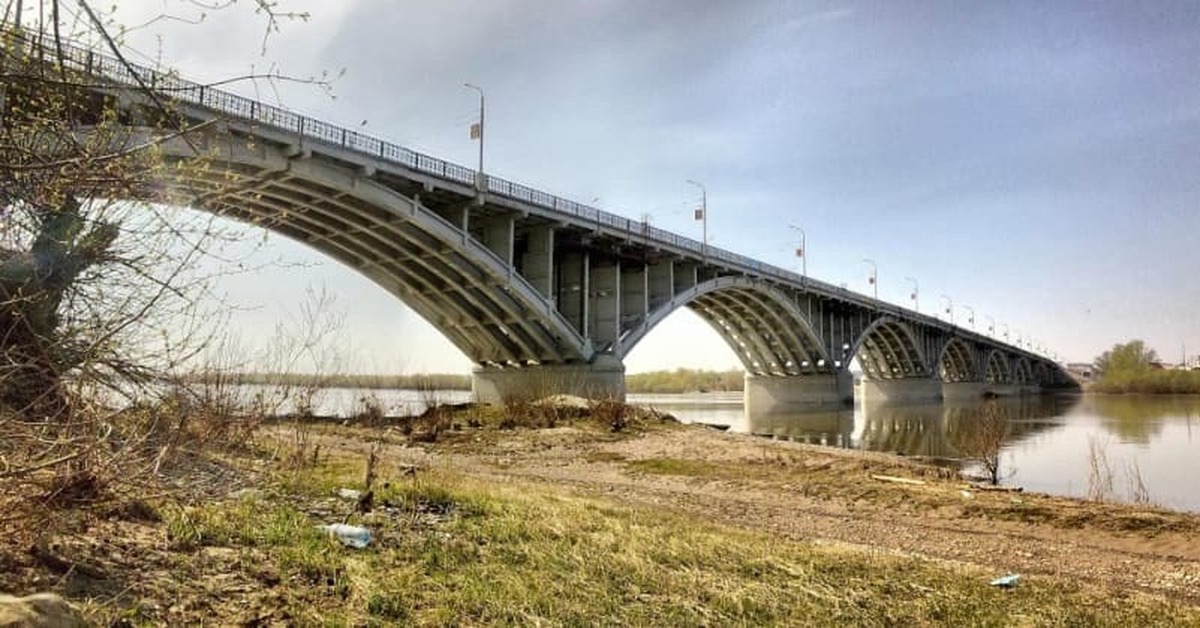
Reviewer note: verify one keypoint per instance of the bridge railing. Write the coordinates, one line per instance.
(170, 85)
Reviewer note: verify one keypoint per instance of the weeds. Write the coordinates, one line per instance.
(1139, 493)
(478, 553)
(1100, 472)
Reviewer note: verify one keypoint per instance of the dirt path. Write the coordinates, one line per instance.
(837, 502)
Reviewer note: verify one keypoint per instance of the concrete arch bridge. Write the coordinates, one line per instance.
(544, 294)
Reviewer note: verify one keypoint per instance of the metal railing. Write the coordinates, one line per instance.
(168, 84)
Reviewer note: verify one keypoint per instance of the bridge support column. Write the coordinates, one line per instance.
(904, 389)
(963, 391)
(764, 394)
(604, 378)
(1013, 390)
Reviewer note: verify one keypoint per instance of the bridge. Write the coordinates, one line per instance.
(544, 294)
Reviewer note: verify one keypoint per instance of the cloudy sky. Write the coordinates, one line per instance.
(1036, 161)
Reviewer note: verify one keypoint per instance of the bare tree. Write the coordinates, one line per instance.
(982, 439)
(99, 284)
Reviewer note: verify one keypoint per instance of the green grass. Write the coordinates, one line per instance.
(505, 554)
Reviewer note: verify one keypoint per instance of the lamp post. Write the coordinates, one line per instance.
(915, 294)
(702, 216)
(949, 307)
(991, 325)
(1005, 330)
(477, 133)
(802, 251)
(874, 278)
(971, 318)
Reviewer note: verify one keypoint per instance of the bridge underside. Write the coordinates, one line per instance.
(544, 307)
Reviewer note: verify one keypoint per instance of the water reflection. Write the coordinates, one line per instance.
(1139, 419)
(1047, 441)
(933, 430)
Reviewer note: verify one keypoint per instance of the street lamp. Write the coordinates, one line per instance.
(949, 307)
(991, 325)
(702, 216)
(477, 134)
(874, 278)
(1005, 330)
(971, 318)
(802, 251)
(915, 294)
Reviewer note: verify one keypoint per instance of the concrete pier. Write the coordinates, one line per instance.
(1012, 390)
(907, 389)
(767, 394)
(604, 378)
(963, 391)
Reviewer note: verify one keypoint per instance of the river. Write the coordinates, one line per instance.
(1063, 444)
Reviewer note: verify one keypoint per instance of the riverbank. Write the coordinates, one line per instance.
(652, 382)
(1149, 382)
(573, 522)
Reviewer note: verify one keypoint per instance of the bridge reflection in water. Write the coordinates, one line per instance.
(930, 430)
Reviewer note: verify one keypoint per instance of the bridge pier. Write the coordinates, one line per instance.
(1013, 390)
(963, 391)
(763, 394)
(604, 378)
(906, 389)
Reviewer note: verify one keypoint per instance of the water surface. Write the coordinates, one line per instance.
(1051, 446)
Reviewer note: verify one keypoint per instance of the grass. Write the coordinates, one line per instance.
(521, 554)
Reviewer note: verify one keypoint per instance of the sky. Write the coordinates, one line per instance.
(1036, 162)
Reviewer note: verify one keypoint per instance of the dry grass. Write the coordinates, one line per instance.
(452, 550)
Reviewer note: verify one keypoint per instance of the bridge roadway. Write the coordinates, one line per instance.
(544, 294)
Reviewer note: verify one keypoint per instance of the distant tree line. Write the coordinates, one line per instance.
(1132, 367)
(435, 381)
(684, 381)
(677, 381)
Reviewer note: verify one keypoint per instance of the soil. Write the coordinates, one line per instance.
(825, 495)
(795, 491)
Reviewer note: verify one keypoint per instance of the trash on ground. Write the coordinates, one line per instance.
(348, 493)
(352, 536)
(1007, 582)
(892, 478)
(979, 486)
(966, 494)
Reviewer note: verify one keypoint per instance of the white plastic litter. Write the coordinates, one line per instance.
(357, 537)
(1006, 582)
(348, 493)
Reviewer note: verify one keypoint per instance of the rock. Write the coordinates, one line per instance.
(36, 611)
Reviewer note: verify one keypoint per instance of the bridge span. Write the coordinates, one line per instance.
(544, 294)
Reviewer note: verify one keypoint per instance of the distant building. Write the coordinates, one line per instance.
(1082, 370)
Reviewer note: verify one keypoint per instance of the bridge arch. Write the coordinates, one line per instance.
(410, 251)
(1041, 374)
(888, 349)
(998, 370)
(1024, 372)
(957, 362)
(762, 325)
